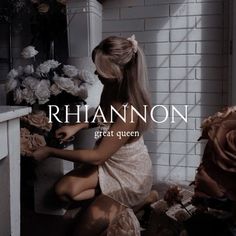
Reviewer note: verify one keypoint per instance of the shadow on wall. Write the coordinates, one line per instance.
(207, 92)
(187, 65)
(210, 65)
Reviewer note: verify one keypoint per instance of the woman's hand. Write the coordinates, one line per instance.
(65, 132)
(41, 153)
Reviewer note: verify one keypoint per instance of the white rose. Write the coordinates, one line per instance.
(13, 73)
(77, 82)
(29, 69)
(43, 69)
(47, 66)
(42, 91)
(29, 52)
(70, 71)
(83, 92)
(20, 70)
(87, 76)
(30, 82)
(64, 83)
(55, 90)
(80, 91)
(28, 96)
(18, 96)
(52, 63)
(11, 85)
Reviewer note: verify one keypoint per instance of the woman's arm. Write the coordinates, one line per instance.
(65, 132)
(98, 155)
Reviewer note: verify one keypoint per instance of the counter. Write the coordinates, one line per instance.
(10, 169)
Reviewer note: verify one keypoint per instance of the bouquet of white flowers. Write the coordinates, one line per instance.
(50, 81)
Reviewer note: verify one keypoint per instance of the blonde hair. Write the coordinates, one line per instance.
(117, 61)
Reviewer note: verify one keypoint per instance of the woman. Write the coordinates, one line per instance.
(119, 166)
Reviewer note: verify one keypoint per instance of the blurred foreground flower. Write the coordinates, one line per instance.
(219, 158)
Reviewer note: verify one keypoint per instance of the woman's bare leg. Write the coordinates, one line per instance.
(78, 184)
(97, 217)
(86, 194)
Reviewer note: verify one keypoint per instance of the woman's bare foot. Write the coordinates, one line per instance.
(151, 198)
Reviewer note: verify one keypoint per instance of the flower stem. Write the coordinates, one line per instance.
(182, 205)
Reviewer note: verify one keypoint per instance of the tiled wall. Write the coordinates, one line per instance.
(186, 43)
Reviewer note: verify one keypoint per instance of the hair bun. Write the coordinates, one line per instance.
(134, 43)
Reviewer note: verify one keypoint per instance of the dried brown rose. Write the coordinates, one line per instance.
(38, 119)
(219, 159)
(26, 145)
(205, 185)
(24, 132)
(30, 142)
(173, 195)
(214, 121)
(37, 141)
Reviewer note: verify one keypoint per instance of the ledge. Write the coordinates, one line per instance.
(12, 112)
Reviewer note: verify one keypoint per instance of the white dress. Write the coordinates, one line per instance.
(127, 178)
(127, 175)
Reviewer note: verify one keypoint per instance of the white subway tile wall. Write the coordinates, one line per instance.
(186, 45)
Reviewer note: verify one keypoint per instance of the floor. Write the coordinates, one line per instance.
(51, 225)
(156, 225)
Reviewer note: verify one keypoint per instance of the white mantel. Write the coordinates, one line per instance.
(10, 169)
(12, 112)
